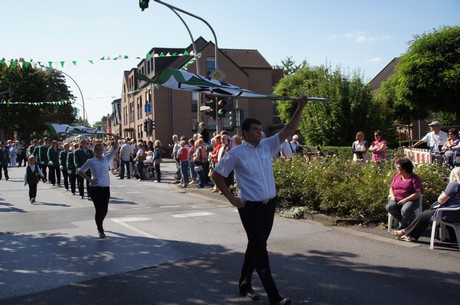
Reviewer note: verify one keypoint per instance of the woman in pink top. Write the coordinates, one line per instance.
(405, 189)
(378, 148)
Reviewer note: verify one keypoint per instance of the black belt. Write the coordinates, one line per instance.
(261, 202)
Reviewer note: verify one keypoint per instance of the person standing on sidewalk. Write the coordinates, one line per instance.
(4, 154)
(99, 182)
(252, 163)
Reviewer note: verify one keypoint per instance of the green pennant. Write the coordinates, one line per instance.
(174, 54)
(102, 58)
(186, 53)
(149, 55)
(27, 64)
(50, 64)
(91, 61)
(2, 62)
(162, 54)
(125, 57)
(62, 64)
(14, 63)
(74, 62)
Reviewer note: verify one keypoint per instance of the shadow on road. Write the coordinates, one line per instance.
(210, 276)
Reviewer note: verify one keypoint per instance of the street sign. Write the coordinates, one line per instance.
(217, 74)
(148, 108)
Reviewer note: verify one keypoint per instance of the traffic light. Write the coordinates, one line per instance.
(145, 125)
(151, 125)
(143, 4)
(221, 108)
(211, 111)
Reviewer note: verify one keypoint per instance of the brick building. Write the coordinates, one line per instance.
(175, 111)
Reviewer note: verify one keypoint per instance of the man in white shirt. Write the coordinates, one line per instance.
(435, 139)
(289, 148)
(125, 159)
(252, 163)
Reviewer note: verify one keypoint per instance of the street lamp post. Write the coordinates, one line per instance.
(144, 4)
(81, 93)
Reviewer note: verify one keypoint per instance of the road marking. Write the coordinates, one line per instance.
(133, 192)
(169, 206)
(161, 242)
(196, 214)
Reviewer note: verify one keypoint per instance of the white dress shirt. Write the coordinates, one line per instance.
(253, 168)
(99, 168)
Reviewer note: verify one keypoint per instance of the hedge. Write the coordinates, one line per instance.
(337, 187)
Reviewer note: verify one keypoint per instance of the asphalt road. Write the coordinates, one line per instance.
(166, 245)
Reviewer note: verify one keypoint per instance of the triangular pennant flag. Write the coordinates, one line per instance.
(27, 64)
(91, 61)
(125, 57)
(102, 58)
(14, 63)
(62, 64)
(149, 55)
(185, 53)
(74, 62)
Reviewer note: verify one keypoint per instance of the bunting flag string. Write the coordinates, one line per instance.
(61, 63)
(56, 103)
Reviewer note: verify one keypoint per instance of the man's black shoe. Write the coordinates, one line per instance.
(101, 234)
(285, 301)
(250, 294)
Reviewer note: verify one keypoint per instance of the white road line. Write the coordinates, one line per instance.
(196, 214)
(161, 242)
(169, 206)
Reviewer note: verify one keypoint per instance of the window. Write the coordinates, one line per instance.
(194, 101)
(210, 65)
(276, 115)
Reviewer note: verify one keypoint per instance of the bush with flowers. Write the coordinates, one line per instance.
(336, 187)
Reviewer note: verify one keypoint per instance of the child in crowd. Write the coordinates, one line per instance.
(32, 177)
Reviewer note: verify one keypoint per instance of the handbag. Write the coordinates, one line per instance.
(198, 168)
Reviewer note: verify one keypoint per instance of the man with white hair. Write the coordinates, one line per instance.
(289, 148)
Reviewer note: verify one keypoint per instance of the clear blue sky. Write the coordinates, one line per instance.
(359, 35)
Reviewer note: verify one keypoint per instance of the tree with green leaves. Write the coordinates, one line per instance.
(427, 77)
(349, 108)
(29, 107)
(289, 66)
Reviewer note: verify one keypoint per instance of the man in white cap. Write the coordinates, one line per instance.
(435, 139)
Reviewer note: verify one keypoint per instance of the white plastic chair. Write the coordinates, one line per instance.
(393, 221)
(443, 224)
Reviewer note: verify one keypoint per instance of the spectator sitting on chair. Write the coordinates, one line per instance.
(450, 197)
(405, 189)
(452, 147)
(149, 158)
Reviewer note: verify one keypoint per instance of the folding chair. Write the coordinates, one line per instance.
(442, 230)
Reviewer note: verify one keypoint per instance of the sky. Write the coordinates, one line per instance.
(354, 35)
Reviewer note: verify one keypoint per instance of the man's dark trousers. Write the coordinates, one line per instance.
(257, 219)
